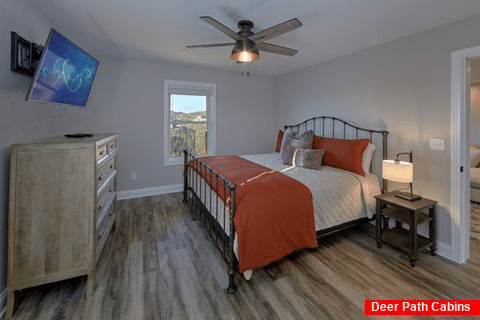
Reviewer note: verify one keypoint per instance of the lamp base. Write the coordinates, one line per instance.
(407, 196)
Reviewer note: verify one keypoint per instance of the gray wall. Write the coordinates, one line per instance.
(19, 120)
(127, 98)
(402, 86)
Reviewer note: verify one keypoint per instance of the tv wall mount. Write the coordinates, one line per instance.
(25, 55)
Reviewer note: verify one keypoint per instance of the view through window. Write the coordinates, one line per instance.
(189, 119)
(188, 124)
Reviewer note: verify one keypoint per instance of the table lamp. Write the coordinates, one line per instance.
(400, 171)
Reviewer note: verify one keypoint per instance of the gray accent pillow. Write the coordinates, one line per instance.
(292, 141)
(308, 158)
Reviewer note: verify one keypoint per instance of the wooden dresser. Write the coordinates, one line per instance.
(61, 199)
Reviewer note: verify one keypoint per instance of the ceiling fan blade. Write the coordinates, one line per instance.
(212, 45)
(214, 23)
(273, 48)
(277, 30)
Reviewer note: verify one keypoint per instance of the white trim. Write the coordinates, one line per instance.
(138, 193)
(203, 88)
(459, 184)
(444, 250)
(3, 303)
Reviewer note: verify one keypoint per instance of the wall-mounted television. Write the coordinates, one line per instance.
(64, 74)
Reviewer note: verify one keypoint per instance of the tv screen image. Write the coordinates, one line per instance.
(64, 74)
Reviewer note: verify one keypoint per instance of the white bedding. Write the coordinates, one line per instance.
(339, 196)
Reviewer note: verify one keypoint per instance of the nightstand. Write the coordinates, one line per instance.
(412, 213)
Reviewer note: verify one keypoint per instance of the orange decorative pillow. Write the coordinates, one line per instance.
(342, 154)
(278, 145)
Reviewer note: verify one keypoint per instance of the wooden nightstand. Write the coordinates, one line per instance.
(412, 213)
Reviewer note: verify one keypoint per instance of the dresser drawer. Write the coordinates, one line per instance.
(105, 171)
(102, 153)
(104, 202)
(103, 231)
(104, 221)
(112, 146)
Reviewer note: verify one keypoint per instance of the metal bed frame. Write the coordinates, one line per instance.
(195, 188)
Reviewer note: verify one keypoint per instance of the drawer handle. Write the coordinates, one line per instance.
(101, 177)
(110, 213)
(111, 189)
(112, 165)
(102, 152)
(112, 146)
(100, 206)
(100, 235)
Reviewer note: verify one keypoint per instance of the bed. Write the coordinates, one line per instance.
(317, 202)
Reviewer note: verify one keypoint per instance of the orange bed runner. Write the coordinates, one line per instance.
(273, 212)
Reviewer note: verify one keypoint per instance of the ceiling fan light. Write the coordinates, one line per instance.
(245, 56)
(245, 52)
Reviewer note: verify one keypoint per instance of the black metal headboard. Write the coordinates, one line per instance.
(332, 127)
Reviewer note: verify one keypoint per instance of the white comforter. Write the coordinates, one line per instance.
(339, 196)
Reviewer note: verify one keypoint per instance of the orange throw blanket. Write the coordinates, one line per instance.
(273, 212)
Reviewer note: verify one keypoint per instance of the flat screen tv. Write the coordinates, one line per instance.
(64, 74)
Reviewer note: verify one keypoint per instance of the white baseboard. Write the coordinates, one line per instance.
(138, 193)
(444, 250)
(3, 303)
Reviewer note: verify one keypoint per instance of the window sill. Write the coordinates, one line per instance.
(173, 161)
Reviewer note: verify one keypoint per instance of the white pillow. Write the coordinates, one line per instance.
(367, 157)
(474, 157)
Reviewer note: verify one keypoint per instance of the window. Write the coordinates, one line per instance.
(189, 119)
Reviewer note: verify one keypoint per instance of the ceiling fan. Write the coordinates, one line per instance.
(247, 44)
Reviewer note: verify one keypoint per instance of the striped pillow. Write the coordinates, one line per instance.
(308, 158)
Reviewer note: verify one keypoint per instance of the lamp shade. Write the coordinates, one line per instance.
(398, 171)
(244, 51)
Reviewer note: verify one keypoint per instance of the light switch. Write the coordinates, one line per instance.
(437, 144)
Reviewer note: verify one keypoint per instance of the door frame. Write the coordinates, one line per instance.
(459, 183)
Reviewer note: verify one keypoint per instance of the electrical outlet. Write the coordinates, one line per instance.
(133, 176)
(437, 144)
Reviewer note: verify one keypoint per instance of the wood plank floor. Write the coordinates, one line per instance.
(160, 264)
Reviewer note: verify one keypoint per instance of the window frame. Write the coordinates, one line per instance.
(188, 88)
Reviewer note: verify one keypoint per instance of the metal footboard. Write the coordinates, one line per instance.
(211, 210)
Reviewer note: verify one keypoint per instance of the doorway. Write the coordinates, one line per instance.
(474, 155)
(459, 153)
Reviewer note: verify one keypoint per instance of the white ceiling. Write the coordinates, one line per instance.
(160, 29)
